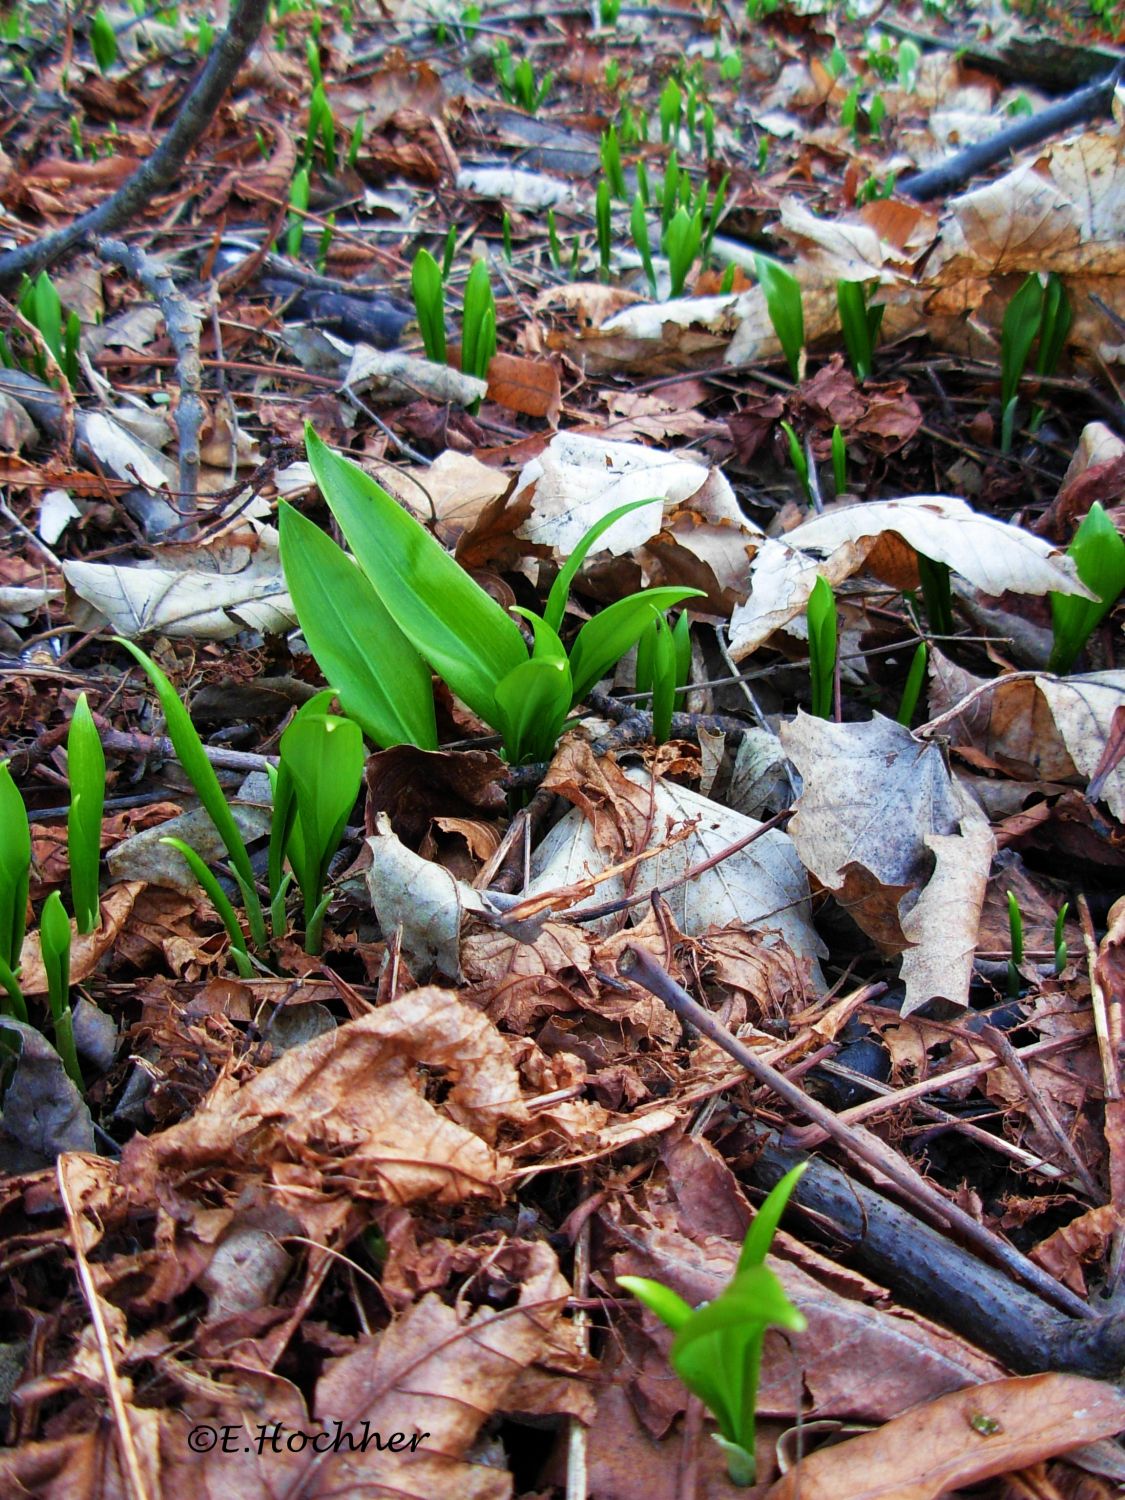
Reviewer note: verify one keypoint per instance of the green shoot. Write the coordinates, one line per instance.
(611, 164)
(604, 228)
(355, 143)
(15, 876)
(642, 182)
(298, 207)
(478, 335)
(937, 594)
(220, 901)
(860, 323)
(103, 41)
(326, 237)
(1060, 938)
(839, 461)
(714, 214)
(517, 82)
(1098, 551)
(608, 11)
(638, 224)
(822, 647)
(663, 665)
(204, 36)
(85, 764)
(55, 938)
(727, 283)
(914, 680)
(322, 125)
(506, 234)
(671, 111)
(683, 240)
(717, 1349)
(449, 252)
(1018, 333)
(429, 304)
(192, 756)
(909, 60)
(554, 245)
(318, 782)
(1015, 931)
(785, 307)
(40, 304)
(799, 460)
(464, 635)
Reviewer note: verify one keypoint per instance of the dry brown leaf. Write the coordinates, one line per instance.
(959, 1440)
(87, 949)
(529, 386)
(1083, 709)
(880, 819)
(353, 1101)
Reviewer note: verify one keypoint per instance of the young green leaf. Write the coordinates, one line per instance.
(55, 938)
(605, 639)
(532, 703)
(763, 1227)
(103, 41)
(1098, 550)
(429, 304)
(478, 341)
(452, 623)
(668, 1305)
(839, 461)
(220, 901)
(85, 764)
(560, 589)
(914, 680)
(1018, 332)
(15, 869)
(681, 640)
(324, 758)
(785, 307)
(822, 647)
(682, 241)
(189, 750)
(663, 682)
(380, 679)
(285, 813)
(638, 225)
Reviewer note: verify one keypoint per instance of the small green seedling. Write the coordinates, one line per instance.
(204, 36)
(321, 125)
(860, 322)
(449, 620)
(85, 765)
(909, 61)
(517, 81)
(682, 243)
(40, 304)
(355, 142)
(103, 41)
(55, 938)
(1060, 938)
(785, 307)
(554, 245)
(1015, 933)
(478, 324)
(506, 235)
(1039, 310)
(298, 206)
(602, 221)
(427, 287)
(327, 235)
(612, 166)
(839, 461)
(449, 252)
(799, 460)
(191, 755)
(937, 594)
(318, 780)
(1098, 551)
(663, 668)
(822, 647)
(914, 680)
(15, 877)
(717, 1348)
(671, 111)
(638, 224)
(608, 12)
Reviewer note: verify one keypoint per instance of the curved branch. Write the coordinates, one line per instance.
(162, 168)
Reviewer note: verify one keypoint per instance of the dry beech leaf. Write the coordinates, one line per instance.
(1083, 709)
(762, 886)
(529, 386)
(881, 823)
(214, 593)
(355, 1097)
(960, 1440)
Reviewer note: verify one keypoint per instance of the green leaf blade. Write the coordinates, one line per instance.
(85, 761)
(604, 640)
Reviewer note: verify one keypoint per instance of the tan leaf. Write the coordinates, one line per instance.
(1083, 709)
(959, 1440)
(87, 949)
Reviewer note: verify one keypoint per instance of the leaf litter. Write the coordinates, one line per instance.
(389, 1187)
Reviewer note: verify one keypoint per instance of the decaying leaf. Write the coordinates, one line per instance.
(881, 823)
(960, 1440)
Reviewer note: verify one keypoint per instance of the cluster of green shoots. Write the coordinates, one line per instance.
(315, 788)
(320, 135)
(717, 1347)
(428, 281)
(823, 650)
(517, 81)
(663, 669)
(40, 304)
(425, 614)
(1015, 933)
(86, 774)
(1039, 313)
